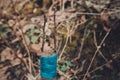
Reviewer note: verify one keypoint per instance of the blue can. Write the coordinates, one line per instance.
(48, 66)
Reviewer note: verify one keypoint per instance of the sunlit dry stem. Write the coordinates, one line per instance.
(84, 78)
(68, 28)
(95, 42)
(63, 74)
(70, 31)
(110, 61)
(81, 47)
(25, 44)
(72, 3)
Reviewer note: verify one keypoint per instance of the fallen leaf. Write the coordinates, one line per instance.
(6, 54)
(35, 20)
(11, 23)
(36, 48)
(28, 26)
(15, 62)
(47, 47)
(48, 32)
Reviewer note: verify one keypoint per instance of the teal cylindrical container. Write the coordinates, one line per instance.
(48, 66)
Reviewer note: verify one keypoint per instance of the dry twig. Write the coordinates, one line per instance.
(95, 42)
(98, 47)
(25, 44)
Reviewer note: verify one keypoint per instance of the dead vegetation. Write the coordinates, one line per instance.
(85, 34)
